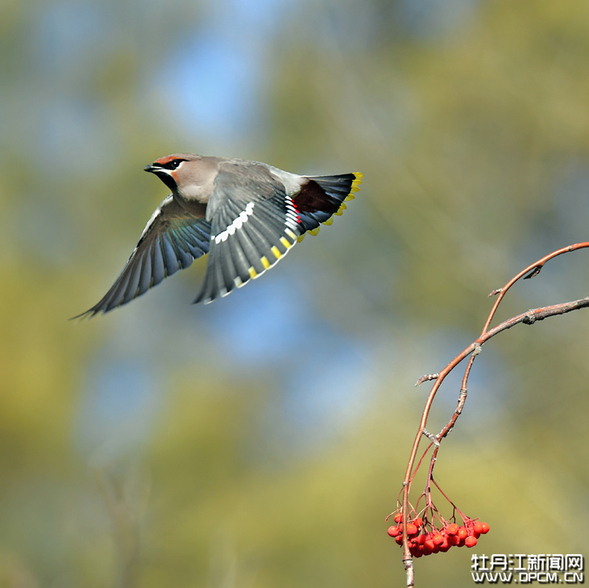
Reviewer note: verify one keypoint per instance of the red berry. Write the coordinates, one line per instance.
(393, 531)
(452, 529)
(398, 518)
(438, 539)
(418, 521)
(462, 532)
(412, 529)
(478, 527)
(399, 539)
(453, 540)
(470, 541)
(485, 528)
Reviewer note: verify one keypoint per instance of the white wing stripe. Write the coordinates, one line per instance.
(236, 224)
(292, 215)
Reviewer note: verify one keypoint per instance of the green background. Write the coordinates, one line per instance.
(261, 441)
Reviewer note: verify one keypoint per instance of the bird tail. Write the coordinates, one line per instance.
(325, 196)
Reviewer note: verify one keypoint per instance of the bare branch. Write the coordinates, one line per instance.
(529, 317)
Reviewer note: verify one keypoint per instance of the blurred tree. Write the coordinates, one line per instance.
(469, 121)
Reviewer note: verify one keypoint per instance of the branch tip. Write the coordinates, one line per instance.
(426, 378)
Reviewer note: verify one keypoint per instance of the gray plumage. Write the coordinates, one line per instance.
(245, 214)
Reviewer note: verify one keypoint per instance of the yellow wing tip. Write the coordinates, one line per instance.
(354, 188)
(356, 182)
(287, 244)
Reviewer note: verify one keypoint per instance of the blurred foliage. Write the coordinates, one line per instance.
(167, 444)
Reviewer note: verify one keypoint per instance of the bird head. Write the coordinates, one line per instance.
(188, 175)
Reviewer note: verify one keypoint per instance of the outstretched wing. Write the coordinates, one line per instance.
(254, 223)
(171, 240)
(323, 196)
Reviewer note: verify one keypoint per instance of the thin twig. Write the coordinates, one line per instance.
(530, 317)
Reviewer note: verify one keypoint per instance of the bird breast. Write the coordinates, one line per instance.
(195, 192)
(195, 178)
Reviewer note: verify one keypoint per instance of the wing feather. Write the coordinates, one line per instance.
(250, 230)
(171, 240)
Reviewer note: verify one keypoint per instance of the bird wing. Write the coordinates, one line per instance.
(173, 237)
(323, 196)
(253, 225)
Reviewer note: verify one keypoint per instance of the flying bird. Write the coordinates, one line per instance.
(246, 215)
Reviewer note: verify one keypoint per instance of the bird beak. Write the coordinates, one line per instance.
(152, 168)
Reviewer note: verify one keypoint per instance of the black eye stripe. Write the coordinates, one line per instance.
(173, 164)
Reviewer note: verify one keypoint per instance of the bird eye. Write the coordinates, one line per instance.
(173, 164)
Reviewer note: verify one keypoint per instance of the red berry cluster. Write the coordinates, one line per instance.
(424, 542)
